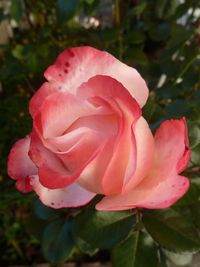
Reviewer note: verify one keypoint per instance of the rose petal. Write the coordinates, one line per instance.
(71, 196)
(20, 167)
(183, 162)
(172, 150)
(37, 99)
(109, 89)
(121, 165)
(81, 152)
(145, 152)
(103, 125)
(58, 112)
(162, 187)
(52, 173)
(159, 196)
(75, 66)
(91, 177)
(58, 170)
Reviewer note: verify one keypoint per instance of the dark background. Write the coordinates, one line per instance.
(161, 38)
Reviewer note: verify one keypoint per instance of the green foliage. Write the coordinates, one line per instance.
(16, 10)
(57, 242)
(66, 9)
(102, 229)
(172, 230)
(193, 194)
(137, 250)
(145, 35)
(45, 213)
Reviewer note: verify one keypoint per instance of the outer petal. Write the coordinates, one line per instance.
(162, 187)
(71, 196)
(75, 66)
(183, 161)
(172, 150)
(37, 99)
(160, 196)
(20, 167)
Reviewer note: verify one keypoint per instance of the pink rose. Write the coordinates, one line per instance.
(89, 138)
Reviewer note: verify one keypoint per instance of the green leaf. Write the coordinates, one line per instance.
(194, 133)
(138, 250)
(33, 62)
(86, 247)
(172, 230)
(57, 241)
(195, 156)
(90, 2)
(159, 32)
(182, 9)
(16, 10)
(194, 137)
(179, 34)
(166, 8)
(66, 9)
(18, 52)
(103, 229)
(90, 7)
(152, 111)
(136, 55)
(193, 194)
(35, 227)
(197, 98)
(179, 107)
(140, 8)
(195, 209)
(135, 37)
(43, 212)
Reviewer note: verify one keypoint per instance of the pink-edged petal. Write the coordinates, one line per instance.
(52, 173)
(58, 112)
(105, 124)
(65, 142)
(121, 166)
(20, 166)
(76, 65)
(24, 185)
(78, 156)
(171, 140)
(108, 88)
(58, 170)
(183, 162)
(101, 125)
(37, 99)
(163, 186)
(71, 196)
(159, 196)
(91, 177)
(145, 153)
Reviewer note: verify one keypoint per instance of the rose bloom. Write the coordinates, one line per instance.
(89, 137)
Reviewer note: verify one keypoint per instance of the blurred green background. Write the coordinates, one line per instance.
(161, 38)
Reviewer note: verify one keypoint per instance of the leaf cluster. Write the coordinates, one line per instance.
(161, 39)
